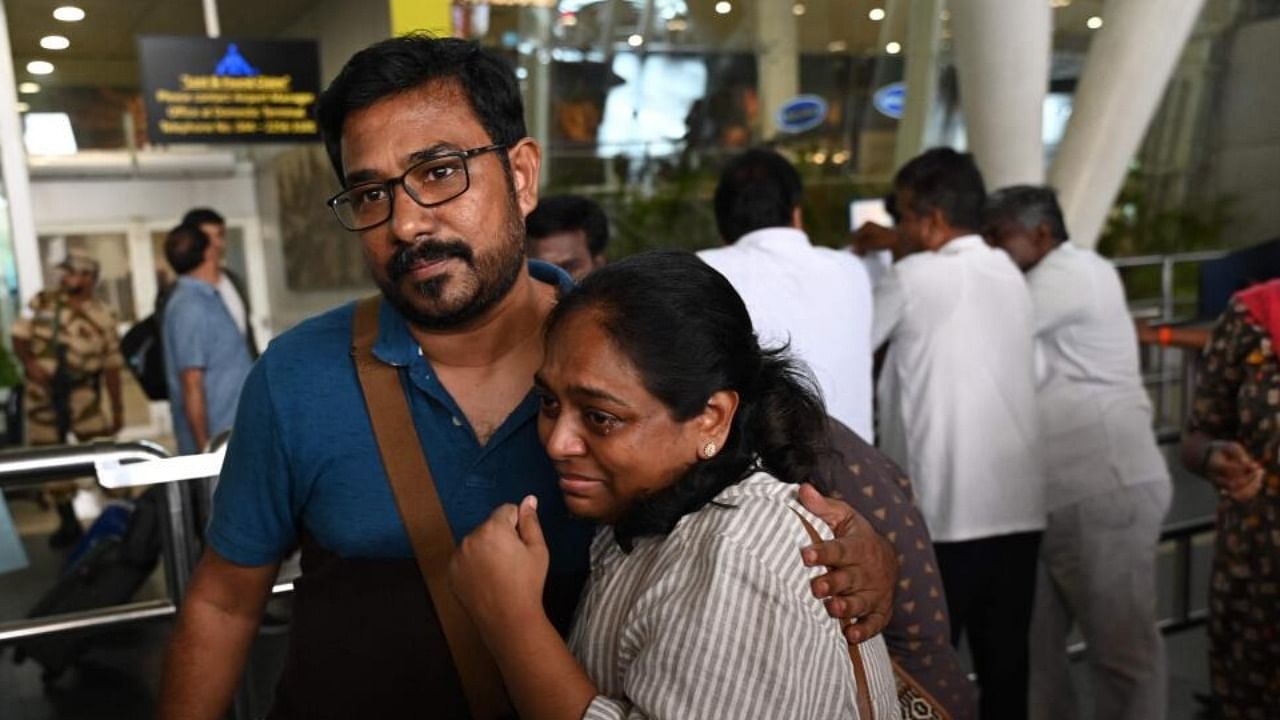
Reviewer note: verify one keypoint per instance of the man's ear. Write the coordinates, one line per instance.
(526, 164)
(1045, 241)
(935, 226)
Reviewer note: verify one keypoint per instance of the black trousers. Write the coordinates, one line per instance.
(990, 585)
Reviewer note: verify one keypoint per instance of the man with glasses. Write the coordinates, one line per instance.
(428, 139)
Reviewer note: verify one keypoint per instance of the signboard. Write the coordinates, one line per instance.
(802, 113)
(891, 99)
(204, 90)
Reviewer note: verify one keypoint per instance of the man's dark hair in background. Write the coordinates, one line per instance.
(184, 248)
(945, 180)
(202, 215)
(570, 231)
(758, 189)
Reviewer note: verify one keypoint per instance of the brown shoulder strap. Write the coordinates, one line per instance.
(405, 462)
(859, 670)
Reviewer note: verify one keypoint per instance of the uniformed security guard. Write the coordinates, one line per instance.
(69, 347)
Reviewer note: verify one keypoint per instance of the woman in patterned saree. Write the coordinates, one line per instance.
(672, 428)
(1232, 438)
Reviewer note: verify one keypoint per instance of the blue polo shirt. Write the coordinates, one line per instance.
(199, 332)
(303, 457)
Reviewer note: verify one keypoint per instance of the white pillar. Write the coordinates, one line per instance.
(778, 60)
(17, 184)
(924, 28)
(535, 26)
(1130, 61)
(1002, 59)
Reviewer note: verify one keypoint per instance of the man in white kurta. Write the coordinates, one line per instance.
(957, 402)
(1108, 485)
(815, 298)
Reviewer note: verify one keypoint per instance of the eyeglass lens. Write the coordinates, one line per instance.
(430, 182)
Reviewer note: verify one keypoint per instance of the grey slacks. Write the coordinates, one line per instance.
(1098, 569)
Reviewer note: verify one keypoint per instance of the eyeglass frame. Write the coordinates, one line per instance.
(390, 185)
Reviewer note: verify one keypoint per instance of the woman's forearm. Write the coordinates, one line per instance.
(544, 679)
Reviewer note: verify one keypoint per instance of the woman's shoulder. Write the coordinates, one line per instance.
(757, 520)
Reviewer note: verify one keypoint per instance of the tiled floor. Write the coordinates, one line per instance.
(119, 674)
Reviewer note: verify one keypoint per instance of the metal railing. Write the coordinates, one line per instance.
(1172, 375)
(1183, 536)
(118, 465)
(39, 465)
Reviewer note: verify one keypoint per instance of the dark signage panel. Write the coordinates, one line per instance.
(203, 90)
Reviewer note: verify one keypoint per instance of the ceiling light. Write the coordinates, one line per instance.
(39, 67)
(893, 48)
(54, 42)
(1094, 22)
(837, 46)
(797, 9)
(819, 158)
(723, 7)
(677, 25)
(635, 40)
(28, 88)
(23, 107)
(68, 13)
(876, 14)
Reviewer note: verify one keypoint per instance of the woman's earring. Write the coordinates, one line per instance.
(709, 450)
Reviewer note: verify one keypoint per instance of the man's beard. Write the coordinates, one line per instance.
(495, 274)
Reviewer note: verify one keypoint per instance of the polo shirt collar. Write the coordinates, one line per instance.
(782, 238)
(198, 285)
(397, 346)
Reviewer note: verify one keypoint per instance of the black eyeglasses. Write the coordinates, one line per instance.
(431, 182)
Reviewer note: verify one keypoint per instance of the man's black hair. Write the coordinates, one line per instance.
(568, 213)
(1029, 206)
(403, 63)
(758, 189)
(945, 180)
(184, 248)
(203, 216)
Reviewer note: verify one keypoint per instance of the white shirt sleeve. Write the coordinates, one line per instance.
(888, 308)
(728, 640)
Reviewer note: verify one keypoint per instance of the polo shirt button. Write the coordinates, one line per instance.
(456, 421)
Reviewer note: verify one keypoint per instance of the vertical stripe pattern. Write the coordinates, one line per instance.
(716, 621)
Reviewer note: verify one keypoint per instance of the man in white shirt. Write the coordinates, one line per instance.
(231, 287)
(817, 299)
(957, 402)
(1108, 487)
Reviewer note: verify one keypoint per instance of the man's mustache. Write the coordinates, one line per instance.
(427, 251)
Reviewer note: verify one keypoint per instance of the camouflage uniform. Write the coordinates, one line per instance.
(89, 333)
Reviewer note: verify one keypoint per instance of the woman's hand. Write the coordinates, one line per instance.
(499, 570)
(1229, 466)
